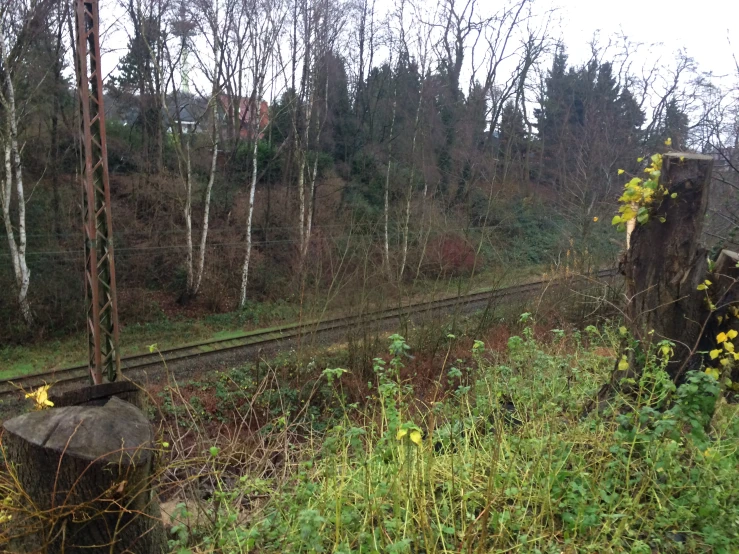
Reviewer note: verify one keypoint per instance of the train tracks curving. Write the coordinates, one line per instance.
(265, 338)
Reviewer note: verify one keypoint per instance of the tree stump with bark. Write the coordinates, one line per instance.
(663, 267)
(87, 473)
(666, 261)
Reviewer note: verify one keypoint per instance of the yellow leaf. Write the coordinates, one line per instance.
(623, 365)
(724, 361)
(682, 158)
(732, 334)
(714, 353)
(729, 346)
(721, 337)
(713, 372)
(621, 172)
(707, 283)
(595, 218)
(720, 319)
(401, 433)
(640, 160)
(622, 330)
(41, 397)
(416, 437)
(668, 142)
(701, 287)
(628, 214)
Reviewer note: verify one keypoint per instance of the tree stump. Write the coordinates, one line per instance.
(663, 267)
(666, 261)
(87, 470)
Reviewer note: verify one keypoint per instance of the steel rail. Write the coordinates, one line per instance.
(264, 337)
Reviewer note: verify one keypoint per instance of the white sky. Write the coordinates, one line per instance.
(701, 28)
(663, 27)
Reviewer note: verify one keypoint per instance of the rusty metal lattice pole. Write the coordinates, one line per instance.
(102, 308)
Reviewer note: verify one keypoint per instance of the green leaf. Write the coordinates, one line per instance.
(616, 220)
(643, 218)
(673, 195)
(214, 450)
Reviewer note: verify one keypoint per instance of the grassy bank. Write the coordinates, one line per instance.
(482, 448)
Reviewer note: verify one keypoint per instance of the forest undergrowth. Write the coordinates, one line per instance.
(481, 448)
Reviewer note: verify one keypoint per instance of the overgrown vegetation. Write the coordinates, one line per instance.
(499, 460)
(477, 450)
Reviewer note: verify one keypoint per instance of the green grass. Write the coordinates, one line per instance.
(495, 458)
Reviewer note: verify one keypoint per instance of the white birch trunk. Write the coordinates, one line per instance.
(314, 175)
(188, 217)
(424, 235)
(304, 206)
(14, 172)
(247, 258)
(311, 207)
(410, 187)
(301, 202)
(206, 208)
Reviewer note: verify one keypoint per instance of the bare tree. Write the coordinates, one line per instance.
(422, 43)
(265, 19)
(319, 26)
(14, 173)
(18, 23)
(215, 28)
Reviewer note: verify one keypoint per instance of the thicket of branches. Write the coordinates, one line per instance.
(259, 145)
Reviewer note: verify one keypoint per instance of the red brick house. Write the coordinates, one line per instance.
(247, 115)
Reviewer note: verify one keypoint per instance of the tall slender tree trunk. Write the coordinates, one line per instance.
(305, 206)
(56, 108)
(409, 194)
(314, 176)
(252, 192)
(206, 203)
(14, 172)
(386, 209)
(188, 215)
(55, 198)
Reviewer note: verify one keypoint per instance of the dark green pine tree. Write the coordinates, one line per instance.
(676, 126)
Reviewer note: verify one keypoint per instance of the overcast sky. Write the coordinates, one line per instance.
(702, 29)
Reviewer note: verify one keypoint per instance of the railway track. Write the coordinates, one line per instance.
(263, 339)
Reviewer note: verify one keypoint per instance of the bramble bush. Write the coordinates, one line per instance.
(501, 460)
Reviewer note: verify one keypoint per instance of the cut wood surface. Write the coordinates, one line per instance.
(88, 470)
